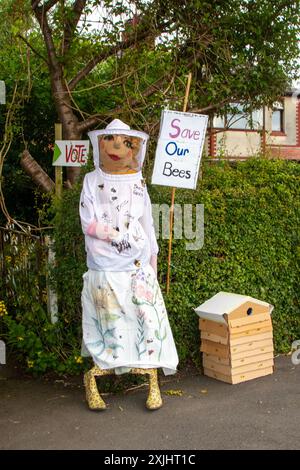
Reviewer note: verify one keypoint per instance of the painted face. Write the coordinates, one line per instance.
(118, 153)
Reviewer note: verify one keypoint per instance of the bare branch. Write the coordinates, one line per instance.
(71, 24)
(73, 100)
(33, 49)
(105, 84)
(109, 51)
(91, 121)
(154, 88)
(7, 141)
(211, 106)
(47, 33)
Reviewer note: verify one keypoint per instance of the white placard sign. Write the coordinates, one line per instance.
(70, 152)
(179, 149)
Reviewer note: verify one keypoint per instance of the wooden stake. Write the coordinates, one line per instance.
(264, 132)
(58, 169)
(187, 92)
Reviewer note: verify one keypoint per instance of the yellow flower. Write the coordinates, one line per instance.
(8, 259)
(78, 359)
(3, 310)
(20, 338)
(30, 364)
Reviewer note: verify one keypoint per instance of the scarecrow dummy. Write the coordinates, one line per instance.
(124, 319)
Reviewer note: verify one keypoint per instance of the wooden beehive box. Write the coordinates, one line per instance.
(236, 337)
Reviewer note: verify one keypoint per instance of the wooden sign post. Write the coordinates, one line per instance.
(58, 169)
(187, 92)
(52, 303)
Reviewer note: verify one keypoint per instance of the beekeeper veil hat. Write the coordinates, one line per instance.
(118, 127)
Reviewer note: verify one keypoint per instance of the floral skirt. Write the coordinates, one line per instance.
(125, 322)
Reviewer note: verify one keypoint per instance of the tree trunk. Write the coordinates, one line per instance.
(39, 176)
(66, 116)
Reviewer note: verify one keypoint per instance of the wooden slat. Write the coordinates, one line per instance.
(248, 339)
(218, 359)
(251, 359)
(252, 352)
(251, 332)
(228, 370)
(214, 338)
(214, 348)
(247, 320)
(236, 362)
(250, 346)
(216, 375)
(252, 375)
(251, 326)
(213, 327)
(239, 378)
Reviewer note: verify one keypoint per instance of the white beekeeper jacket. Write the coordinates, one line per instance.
(117, 202)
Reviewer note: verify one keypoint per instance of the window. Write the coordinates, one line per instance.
(219, 121)
(239, 119)
(277, 116)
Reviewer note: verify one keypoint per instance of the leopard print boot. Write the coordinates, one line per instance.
(154, 400)
(94, 400)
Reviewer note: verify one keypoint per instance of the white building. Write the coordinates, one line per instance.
(273, 132)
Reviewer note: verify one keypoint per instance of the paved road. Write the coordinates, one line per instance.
(259, 414)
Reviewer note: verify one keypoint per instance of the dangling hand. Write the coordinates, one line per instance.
(103, 231)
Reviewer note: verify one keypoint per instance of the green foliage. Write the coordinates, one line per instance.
(251, 246)
(70, 264)
(38, 344)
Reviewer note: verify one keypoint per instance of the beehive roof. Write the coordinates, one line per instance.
(225, 303)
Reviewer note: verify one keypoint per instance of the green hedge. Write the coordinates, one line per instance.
(251, 246)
